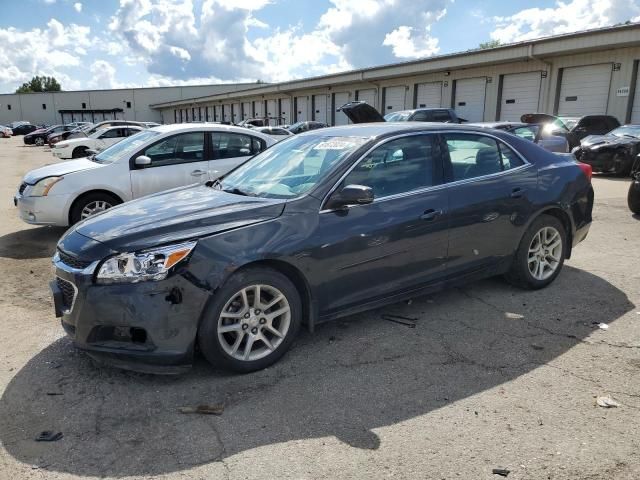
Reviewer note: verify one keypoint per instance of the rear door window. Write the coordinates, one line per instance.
(472, 156)
(233, 145)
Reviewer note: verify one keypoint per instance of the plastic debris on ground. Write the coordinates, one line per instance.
(49, 436)
(503, 472)
(607, 402)
(204, 409)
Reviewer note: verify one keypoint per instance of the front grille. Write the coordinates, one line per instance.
(22, 188)
(68, 292)
(71, 261)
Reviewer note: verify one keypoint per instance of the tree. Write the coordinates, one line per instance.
(40, 84)
(489, 44)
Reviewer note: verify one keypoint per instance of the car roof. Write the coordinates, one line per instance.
(388, 128)
(214, 127)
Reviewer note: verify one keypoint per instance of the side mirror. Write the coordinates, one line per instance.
(350, 195)
(142, 161)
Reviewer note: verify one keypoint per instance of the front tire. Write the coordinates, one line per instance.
(251, 322)
(90, 204)
(39, 142)
(540, 255)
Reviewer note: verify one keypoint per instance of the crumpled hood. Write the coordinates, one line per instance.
(58, 169)
(174, 215)
(537, 118)
(361, 112)
(600, 140)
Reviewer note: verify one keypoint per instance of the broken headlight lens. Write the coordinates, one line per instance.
(148, 265)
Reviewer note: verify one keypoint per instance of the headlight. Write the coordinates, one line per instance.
(41, 189)
(153, 264)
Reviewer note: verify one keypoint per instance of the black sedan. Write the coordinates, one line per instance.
(39, 137)
(24, 129)
(319, 226)
(614, 152)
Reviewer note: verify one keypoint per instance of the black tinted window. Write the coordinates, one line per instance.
(474, 156)
(440, 116)
(113, 133)
(231, 145)
(183, 148)
(398, 166)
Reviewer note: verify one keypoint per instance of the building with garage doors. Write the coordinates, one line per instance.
(98, 105)
(592, 72)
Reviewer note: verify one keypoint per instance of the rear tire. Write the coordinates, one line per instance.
(633, 197)
(540, 255)
(90, 204)
(79, 152)
(242, 329)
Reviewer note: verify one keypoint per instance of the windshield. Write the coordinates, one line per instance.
(289, 168)
(124, 147)
(627, 131)
(397, 116)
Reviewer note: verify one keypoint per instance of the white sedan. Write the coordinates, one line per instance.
(99, 140)
(151, 161)
(279, 133)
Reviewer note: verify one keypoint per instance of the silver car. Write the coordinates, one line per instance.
(537, 133)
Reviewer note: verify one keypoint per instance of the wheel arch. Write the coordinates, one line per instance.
(564, 218)
(87, 193)
(299, 282)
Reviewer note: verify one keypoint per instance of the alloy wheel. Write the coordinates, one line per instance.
(254, 322)
(39, 141)
(92, 208)
(545, 253)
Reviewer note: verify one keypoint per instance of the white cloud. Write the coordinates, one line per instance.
(103, 75)
(24, 56)
(78, 7)
(404, 46)
(210, 39)
(564, 17)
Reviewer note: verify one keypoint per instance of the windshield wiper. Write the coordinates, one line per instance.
(237, 191)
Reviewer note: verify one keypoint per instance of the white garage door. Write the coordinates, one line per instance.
(302, 114)
(368, 96)
(272, 108)
(258, 109)
(520, 94)
(226, 112)
(339, 100)
(394, 98)
(247, 110)
(320, 108)
(585, 90)
(237, 114)
(470, 93)
(429, 95)
(285, 110)
(218, 113)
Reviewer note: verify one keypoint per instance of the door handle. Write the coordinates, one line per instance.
(430, 214)
(198, 173)
(517, 192)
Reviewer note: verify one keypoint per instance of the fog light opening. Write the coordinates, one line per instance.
(138, 335)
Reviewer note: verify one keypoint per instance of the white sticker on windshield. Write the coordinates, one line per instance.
(334, 145)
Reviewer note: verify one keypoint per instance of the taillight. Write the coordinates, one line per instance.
(586, 169)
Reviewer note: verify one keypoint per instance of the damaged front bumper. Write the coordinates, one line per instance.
(148, 326)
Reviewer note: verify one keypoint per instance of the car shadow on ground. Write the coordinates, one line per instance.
(349, 378)
(39, 242)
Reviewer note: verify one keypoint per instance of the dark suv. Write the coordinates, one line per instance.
(574, 129)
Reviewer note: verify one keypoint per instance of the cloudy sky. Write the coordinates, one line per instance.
(111, 43)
